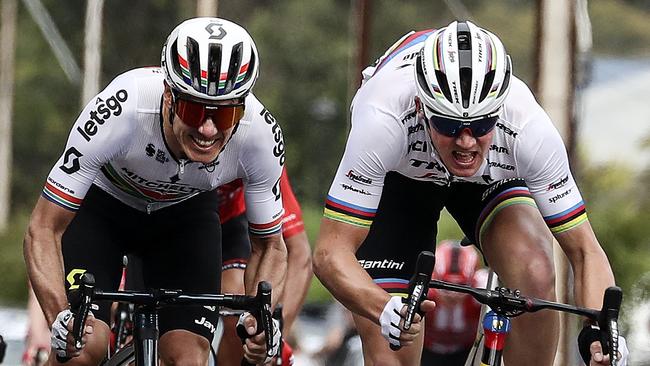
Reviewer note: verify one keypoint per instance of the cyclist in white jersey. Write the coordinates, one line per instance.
(441, 122)
(138, 175)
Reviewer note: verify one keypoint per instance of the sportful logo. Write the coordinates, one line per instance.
(104, 110)
(558, 184)
(71, 160)
(359, 178)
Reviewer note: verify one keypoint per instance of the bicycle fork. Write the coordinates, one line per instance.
(146, 336)
(496, 328)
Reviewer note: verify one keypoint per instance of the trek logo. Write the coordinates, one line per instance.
(560, 196)
(558, 184)
(507, 130)
(348, 187)
(381, 264)
(278, 149)
(206, 323)
(359, 178)
(500, 149)
(429, 165)
(71, 160)
(104, 110)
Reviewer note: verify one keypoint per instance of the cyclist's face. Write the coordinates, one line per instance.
(201, 144)
(464, 154)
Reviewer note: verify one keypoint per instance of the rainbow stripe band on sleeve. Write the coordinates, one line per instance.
(394, 286)
(512, 196)
(567, 219)
(55, 195)
(272, 228)
(346, 212)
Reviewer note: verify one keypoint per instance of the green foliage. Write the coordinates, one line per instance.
(13, 282)
(620, 28)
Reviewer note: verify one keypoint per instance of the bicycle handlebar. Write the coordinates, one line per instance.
(418, 289)
(259, 305)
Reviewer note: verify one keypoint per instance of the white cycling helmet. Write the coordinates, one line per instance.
(210, 59)
(462, 72)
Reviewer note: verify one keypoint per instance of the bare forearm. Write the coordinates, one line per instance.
(268, 262)
(336, 266)
(299, 274)
(45, 269)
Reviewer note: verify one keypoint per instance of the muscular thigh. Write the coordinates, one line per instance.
(405, 225)
(94, 242)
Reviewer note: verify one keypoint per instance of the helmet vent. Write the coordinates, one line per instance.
(465, 85)
(444, 87)
(487, 85)
(176, 65)
(214, 64)
(233, 69)
(194, 63)
(421, 79)
(251, 67)
(506, 77)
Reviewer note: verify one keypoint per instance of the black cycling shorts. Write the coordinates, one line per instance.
(179, 248)
(406, 222)
(236, 243)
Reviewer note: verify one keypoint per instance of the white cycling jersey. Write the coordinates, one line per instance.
(388, 135)
(117, 143)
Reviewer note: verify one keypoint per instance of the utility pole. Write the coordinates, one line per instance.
(555, 86)
(92, 49)
(207, 8)
(7, 57)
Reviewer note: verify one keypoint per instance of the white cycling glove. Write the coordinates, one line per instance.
(60, 332)
(390, 319)
(276, 335)
(590, 334)
(622, 348)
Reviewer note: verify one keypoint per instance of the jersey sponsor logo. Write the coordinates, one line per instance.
(420, 146)
(71, 160)
(347, 187)
(209, 167)
(496, 185)
(381, 264)
(560, 196)
(414, 129)
(454, 88)
(500, 149)
(429, 165)
(278, 149)
(500, 165)
(160, 185)
(409, 117)
(206, 323)
(276, 190)
(507, 130)
(101, 114)
(558, 184)
(359, 178)
(159, 155)
(60, 186)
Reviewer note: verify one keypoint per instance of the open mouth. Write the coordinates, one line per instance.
(202, 143)
(464, 158)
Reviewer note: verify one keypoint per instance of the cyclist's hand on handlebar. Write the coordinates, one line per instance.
(62, 339)
(255, 345)
(598, 359)
(392, 321)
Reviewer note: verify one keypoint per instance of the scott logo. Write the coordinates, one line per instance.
(104, 110)
(71, 160)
